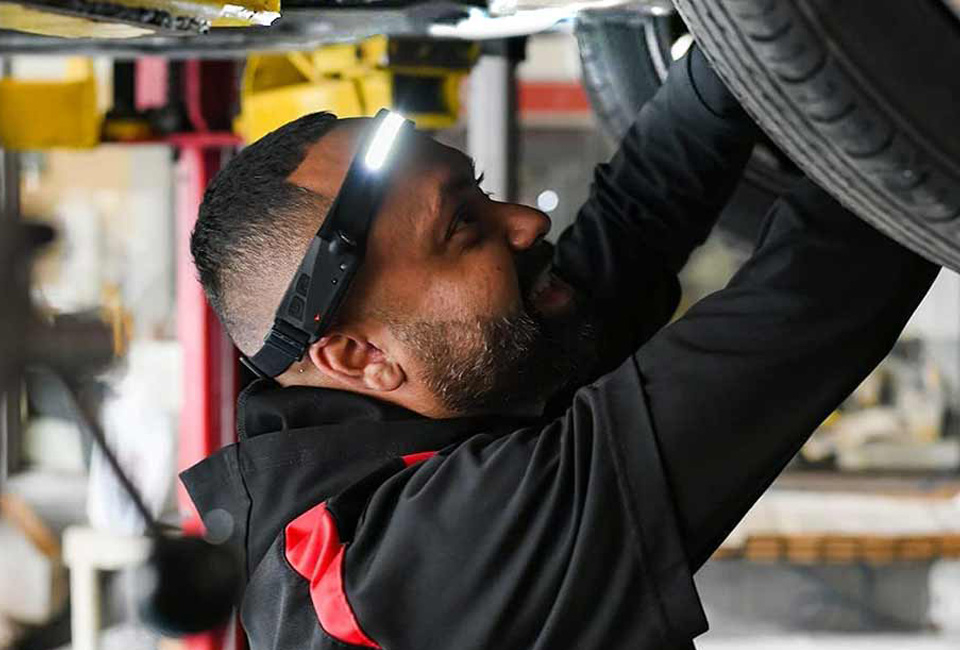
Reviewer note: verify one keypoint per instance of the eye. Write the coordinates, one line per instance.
(465, 215)
(461, 219)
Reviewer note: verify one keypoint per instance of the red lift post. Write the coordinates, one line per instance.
(210, 368)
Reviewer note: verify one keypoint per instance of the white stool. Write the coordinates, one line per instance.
(87, 551)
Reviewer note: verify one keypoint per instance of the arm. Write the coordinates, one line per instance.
(736, 386)
(655, 202)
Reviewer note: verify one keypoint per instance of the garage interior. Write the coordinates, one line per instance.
(106, 151)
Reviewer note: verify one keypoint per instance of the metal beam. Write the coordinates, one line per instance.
(10, 242)
(492, 132)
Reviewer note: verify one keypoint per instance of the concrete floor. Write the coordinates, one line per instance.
(829, 642)
(751, 600)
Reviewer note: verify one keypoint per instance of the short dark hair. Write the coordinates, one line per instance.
(254, 226)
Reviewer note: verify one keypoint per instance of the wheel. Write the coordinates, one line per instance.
(863, 95)
(624, 58)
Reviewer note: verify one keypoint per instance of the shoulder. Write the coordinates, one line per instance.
(296, 596)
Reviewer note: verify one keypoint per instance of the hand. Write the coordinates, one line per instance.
(712, 91)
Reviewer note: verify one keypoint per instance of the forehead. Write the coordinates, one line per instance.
(327, 160)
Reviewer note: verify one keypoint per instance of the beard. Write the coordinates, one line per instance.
(504, 364)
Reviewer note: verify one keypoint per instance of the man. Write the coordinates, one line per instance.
(485, 450)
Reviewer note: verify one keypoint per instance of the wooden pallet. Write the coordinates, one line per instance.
(844, 528)
(843, 549)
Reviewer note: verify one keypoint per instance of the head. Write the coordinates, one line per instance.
(454, 311)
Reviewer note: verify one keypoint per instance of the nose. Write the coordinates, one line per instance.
(525, 226)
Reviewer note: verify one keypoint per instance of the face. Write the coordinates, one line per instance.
(463, 282)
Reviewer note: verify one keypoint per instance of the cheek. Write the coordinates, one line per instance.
(484, 283)
(504, 293)
(478, 284)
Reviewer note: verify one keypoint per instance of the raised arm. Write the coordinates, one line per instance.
(656, 201)
(737, 385)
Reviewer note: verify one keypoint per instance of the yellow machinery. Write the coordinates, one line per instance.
(417, 77)
(42, 114)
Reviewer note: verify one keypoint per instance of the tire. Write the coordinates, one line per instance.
(624, 58)
(863, 95)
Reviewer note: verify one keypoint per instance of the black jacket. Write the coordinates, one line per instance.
(365, 525)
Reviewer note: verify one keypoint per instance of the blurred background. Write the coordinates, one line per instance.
(857, 545)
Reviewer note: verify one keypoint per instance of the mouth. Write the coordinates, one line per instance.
(542, 290)
(549, 295)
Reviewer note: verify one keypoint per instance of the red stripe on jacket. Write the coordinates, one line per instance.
(413, 459)
(314, 550)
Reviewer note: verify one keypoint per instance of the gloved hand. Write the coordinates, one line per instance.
(711, 90)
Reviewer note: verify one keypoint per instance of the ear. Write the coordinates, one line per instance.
(356, 363)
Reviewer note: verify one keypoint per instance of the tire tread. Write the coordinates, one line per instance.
(797, 85)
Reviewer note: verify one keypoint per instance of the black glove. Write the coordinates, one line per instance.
(711, 90)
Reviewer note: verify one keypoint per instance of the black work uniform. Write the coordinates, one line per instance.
(365, 525)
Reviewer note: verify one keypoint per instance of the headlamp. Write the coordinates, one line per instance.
(323, 278)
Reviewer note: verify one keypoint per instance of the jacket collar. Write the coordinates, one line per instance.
(265, 407)
(299, 446)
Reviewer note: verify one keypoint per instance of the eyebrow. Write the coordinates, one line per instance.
(457, 181)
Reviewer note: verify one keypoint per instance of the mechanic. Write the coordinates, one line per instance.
(486, 446)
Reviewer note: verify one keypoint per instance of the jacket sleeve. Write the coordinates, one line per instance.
(737, 385)
(654, 202)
